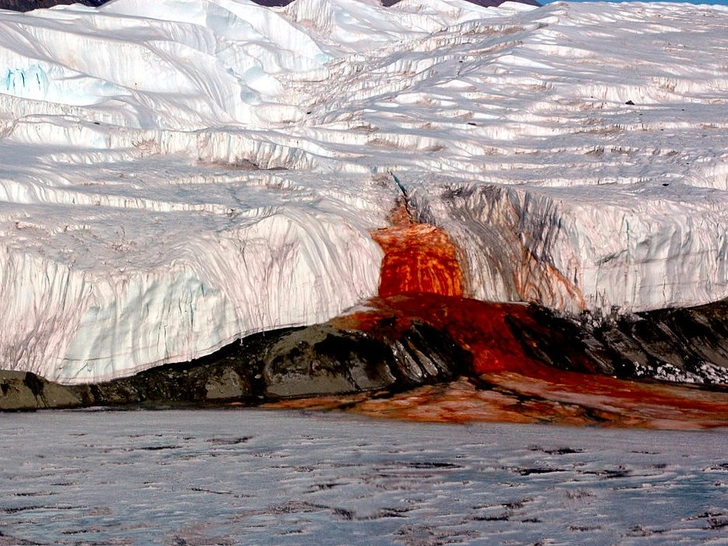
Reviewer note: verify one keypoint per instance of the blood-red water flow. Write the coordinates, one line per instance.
(417, 258)
(511, 379)
(421, 259)
(509, 384)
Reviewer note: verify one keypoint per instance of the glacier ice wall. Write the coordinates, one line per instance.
(602, 248)
(176, 175)
(115, 267)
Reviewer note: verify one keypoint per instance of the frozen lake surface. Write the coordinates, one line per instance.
(269, 477)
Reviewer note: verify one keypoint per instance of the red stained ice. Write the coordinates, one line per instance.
(422, 281)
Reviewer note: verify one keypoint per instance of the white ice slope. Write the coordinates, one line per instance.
(577, 154)
(116, 267)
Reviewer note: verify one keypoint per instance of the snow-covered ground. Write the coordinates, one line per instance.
(576, 154)
(257, 477)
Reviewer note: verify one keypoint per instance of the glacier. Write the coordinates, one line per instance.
(178, 175)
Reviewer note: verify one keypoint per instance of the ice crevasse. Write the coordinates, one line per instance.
(178, 175)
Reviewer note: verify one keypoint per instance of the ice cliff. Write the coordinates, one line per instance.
(178, 174)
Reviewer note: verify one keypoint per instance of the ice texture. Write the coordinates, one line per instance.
(115, 269)
(263, 477)
(178, 174)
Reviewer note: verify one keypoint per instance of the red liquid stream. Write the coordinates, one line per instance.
(421, 280)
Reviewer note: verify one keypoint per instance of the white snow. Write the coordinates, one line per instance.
(577, 154)
(257, 477)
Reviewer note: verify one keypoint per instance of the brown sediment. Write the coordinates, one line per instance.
(515, 400)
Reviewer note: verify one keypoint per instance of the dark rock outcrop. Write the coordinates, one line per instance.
(325, 360)
(685, 345)
(25, 391)
(289, 363)
(406, 342)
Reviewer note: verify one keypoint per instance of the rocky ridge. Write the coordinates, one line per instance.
(289, 363)
(401, 343)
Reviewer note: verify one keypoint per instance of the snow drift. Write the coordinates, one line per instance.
(179, 174)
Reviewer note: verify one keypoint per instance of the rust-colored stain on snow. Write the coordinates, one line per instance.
(417, 258)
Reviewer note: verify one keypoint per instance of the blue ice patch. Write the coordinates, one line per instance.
(30, 82)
